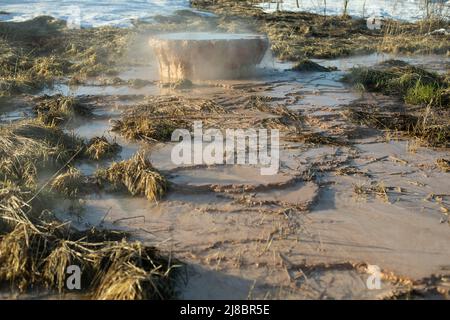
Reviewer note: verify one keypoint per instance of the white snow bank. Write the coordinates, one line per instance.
(410, 10)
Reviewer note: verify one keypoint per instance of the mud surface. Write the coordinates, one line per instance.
(297, 234)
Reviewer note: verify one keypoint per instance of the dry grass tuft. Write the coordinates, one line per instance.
(362, 191)
(68, 183)
(100, 148)
(443, 164)
(137, 175)
(110, 269)
(134, 272)
(150, 129)
(156, 119)
(29, 145)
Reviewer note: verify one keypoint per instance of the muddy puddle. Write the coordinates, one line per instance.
(248, 236)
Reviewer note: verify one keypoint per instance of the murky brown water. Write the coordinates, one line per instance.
(234, 238)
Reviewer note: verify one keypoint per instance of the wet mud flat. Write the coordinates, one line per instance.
(349, 197)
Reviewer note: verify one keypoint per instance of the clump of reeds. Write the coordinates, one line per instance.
(36, 248)
(28, 145)
(151, 129)
(443, 164)
(431, 129)
(54, 110)
(137, 175)
(134, 272)
(100, 148)
(68, 183)
(19, 251)
(156, 119)
(307, 65)
(32, 256)
(414, 84)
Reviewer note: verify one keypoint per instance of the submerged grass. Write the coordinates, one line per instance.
(425, 114)
(57, 109)
(151, 129)
(427, 127)
(156, 119)
(362, 191)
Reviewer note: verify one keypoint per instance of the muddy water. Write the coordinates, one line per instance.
(244, 235)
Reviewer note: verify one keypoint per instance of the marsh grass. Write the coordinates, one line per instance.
(57, 109)
(29, 145)
(68, 183)
(306, 65)
(413, 84)
(426, 127)
(295, 36)
(100, 148)
(36, 248)
(150, 129)
(372, 117)
(432, 129)
(136, 175)
(425, 114)
(33, 256)
(424, 94)
(36, 53)
(156, 119)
